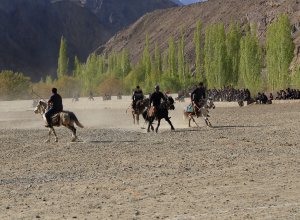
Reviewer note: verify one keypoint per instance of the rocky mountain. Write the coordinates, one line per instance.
(30, 30)
(160, 25)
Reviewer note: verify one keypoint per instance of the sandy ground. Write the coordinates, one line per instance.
(246, 167)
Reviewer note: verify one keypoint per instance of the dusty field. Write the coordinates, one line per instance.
(246, 167)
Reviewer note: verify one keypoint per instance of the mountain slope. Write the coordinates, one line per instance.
(30, 30)
(160, 25)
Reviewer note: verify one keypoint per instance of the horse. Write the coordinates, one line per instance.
(65, 118)
(161, 112)
(189, 112)
(140, 107)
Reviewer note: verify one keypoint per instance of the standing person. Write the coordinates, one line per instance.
(136, 96)
(55, 106)
(198, 97)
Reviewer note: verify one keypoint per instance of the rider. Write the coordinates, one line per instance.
(156, 98)
(198, 97)
(136, 96)
(56, 106)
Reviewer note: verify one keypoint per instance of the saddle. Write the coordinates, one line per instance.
(55, 119)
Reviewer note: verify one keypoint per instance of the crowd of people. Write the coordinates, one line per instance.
(229, 94)
(287, 94)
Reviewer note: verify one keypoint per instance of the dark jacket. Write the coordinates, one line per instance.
(137, 95)
(156, 98)
(198, 94)
(56, 101)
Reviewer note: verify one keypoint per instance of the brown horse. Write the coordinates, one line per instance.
(140, 107)
(202, 112)
(65, 118)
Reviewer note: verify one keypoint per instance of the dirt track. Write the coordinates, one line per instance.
(246, 167)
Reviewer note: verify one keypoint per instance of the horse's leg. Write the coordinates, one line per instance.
(149, 124)
(170, 123)
(137, 118)
(56, 139)
(73, 129)
(152, 128)
(158, 124)
(133, 115)
(194, 121)
(49, 134)
(207, 122)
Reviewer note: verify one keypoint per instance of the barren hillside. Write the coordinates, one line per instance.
(162, 24)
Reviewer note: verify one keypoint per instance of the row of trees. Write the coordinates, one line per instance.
(229, 57)
(234, 57)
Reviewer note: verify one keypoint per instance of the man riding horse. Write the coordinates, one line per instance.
(56, 106)
(137, 96)
(198, 97)
(159, 109)
(156, 98)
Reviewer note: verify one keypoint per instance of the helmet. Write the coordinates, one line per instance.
(157, 87)
(54, 90)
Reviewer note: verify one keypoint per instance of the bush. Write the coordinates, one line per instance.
(14, 86)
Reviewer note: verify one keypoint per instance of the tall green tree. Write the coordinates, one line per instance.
(250, 62)
(172, 58)
(233, 52)
(181, 60)
(197, 42)
(63, 60)
(215, 56)
(147, 63)
(280, 47)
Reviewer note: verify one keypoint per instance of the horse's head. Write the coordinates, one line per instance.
(41, 107)
(210, 104)
(170, 103)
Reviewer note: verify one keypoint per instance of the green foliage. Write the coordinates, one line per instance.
(280, 47)
(215, 56)
(233, 53)
(197, 42)
(170, 83)
(250, 62)
(63, 60)
(14, 85)
(181, 60)
(172, 70)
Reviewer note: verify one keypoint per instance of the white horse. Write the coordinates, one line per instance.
(65, 118)
(190, 113)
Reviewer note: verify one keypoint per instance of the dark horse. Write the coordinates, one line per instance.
(140, 107)
(162, 112)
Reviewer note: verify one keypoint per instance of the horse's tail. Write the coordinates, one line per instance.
(74, 118)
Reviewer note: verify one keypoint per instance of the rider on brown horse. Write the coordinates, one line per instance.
(198, 97)
(55, 102)
(136, 96)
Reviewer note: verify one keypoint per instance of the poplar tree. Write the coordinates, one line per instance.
(63, 60)
(280, 47)
(181, 61)
(77, 73)
(197, 42)
(147, 63)
(250, 62)
(172, 57)
(233, 53)
(215, 57)
(157, 64)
